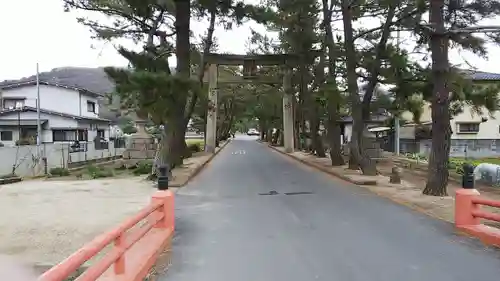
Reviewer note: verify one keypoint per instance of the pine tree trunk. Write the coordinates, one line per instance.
(317, 142)
(277, 137)
(296, 131)
(263, 129)
(176, 141)
(333, 135)
(357, 155)
(437, 177)
(269, 135)
(333, 128)
(333, 131)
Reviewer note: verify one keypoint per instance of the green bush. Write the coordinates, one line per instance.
(27, 141)
(143, 167)
(59, 172)
(193, 147)
(457, 165)
(96, 172)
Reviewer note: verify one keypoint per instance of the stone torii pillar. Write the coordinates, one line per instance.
(211, 132)
(288, 123)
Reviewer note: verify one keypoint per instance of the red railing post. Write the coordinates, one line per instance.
(167, 200)
(119, 265)
(464, 207)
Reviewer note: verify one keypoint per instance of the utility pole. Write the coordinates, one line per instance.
(38, 125)
(396, 118)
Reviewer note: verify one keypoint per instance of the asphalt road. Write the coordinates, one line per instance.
(227, 229)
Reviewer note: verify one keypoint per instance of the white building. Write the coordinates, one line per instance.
(67, 113)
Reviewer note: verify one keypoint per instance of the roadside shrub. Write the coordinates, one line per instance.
(143, 167)
(28, 141)
(457, 165)
(194, 147)
(59, 172)
(121, 167)
(96, 172)
(8, 176)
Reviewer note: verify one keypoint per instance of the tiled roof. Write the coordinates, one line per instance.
(482, 76)
(18, 84)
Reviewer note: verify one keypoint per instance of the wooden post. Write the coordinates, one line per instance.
(288, 123)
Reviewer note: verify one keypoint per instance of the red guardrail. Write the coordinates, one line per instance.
(468, 215)
(136, 247)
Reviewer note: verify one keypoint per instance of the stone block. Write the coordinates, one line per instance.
(395, 175)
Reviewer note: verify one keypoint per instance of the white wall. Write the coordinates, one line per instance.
(487, 130)
(92, 128)
(83, 106)
(348, 130)
(55, 99)
(57, 155)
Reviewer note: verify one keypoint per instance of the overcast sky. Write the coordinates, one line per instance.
(40, 31)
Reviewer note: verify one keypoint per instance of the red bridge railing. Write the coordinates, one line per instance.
(136, 246)
(468, 215)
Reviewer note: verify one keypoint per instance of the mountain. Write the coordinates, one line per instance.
(92, 79)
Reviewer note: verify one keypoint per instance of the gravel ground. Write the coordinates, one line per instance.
(42, 222)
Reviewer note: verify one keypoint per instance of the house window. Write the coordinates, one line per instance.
(468, 128)
(101, 134)
(28, 133)
(6, 135)
(69, 135)
(91, 106)
(83, 135)
(63, 135)
(13, 103)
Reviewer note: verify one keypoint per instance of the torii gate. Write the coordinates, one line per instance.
(250, 63)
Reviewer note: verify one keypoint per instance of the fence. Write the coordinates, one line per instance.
(23, 159)
(468, 215)
(467, 148)
(135, 250)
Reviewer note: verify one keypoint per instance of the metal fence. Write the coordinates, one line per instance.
(472, 148)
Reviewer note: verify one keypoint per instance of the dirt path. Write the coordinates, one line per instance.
(45, 221)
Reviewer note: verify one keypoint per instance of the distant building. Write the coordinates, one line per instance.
(67, 113)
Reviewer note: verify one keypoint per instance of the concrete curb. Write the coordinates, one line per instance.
(201, 167)
(326, 170)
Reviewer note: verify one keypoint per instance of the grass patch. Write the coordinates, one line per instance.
(456, 163)
(478, 161)
(119, 168)
(95, 172)
(195, 145)
(144, 167)
(59, 172)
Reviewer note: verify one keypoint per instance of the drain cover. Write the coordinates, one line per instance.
(272, 192)
(298, 193)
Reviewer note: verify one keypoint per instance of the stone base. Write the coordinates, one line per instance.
(140, 147)
(210, 149)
